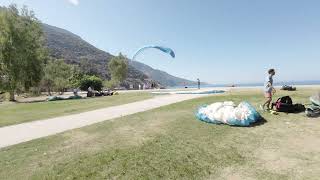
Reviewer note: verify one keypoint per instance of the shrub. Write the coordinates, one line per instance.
(91, 81)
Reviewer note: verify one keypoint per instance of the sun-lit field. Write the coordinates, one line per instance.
(168, 142)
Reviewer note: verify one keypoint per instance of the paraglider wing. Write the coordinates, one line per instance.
(166, 50)
(163, 49)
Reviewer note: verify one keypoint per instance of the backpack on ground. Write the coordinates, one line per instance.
(299, 108)
(284, 104)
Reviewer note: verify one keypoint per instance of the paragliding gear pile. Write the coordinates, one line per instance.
(314, 109)
(228, 113)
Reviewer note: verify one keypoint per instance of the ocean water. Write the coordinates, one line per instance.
(290, 83)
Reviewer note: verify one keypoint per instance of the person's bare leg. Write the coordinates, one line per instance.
(267, 103)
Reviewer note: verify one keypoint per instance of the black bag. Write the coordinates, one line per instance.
(299, 108)
(284, 104)
(288, 88)
(285, 100)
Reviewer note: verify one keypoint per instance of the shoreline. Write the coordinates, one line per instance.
(214, 88)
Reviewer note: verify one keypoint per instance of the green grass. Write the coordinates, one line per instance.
(169, 143)
(24, 112)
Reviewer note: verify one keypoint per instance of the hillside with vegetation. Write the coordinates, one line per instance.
(63, 44)
(160, 76)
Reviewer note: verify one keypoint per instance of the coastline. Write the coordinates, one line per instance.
(223, 88)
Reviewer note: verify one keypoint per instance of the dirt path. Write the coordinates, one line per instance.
(11, 135)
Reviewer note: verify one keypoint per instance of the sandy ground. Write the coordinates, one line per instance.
(11, 135)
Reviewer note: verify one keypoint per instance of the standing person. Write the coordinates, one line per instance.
(89, 94)
(198, 83)
(268, 89)
(75, 91)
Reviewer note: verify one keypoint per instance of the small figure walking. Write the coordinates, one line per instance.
(269, 90)
(198, 83)
(90, 93)
(75, 92)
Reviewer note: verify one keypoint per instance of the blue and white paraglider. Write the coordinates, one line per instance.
(228, 113)
(163, 49)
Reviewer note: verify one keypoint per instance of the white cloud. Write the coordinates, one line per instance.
(74, 2)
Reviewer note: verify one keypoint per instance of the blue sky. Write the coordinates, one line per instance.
(218, 41)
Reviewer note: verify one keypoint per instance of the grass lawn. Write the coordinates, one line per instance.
(24, 112)
(169, 142)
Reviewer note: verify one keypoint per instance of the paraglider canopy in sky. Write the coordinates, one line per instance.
(163, 49)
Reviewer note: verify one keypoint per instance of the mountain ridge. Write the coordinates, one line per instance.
(63, 44)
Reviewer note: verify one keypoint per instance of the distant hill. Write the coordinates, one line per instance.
(70, 47)
(160, 76)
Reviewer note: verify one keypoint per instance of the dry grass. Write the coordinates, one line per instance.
(169, 143)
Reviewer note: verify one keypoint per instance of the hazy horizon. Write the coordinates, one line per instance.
(218, 42)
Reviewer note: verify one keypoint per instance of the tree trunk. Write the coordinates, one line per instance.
(11, 96)
(49, 91)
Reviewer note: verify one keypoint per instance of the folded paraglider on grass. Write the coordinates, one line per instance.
(314, 109)
(228, 113)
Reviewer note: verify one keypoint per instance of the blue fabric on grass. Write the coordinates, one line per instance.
(252, 118)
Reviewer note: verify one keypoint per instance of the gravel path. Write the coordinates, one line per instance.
(15, 134)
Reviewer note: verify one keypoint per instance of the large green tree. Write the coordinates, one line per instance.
(21, 49)
(118, 68)
(58, 76)
(91, 81)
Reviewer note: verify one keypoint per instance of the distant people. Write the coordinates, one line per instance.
(139, 86)
(109, 93)
(269, 90)
(75, 91)
(198, 83)
(90, 93)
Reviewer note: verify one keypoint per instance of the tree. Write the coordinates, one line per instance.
(118, 68)
(91, 81)
(22, 53)
(111, 84)
(57, 75)
(76, 76)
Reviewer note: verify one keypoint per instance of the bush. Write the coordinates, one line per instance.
(91, 81)
(4, 96)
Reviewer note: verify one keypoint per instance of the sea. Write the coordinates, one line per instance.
(289, 83)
